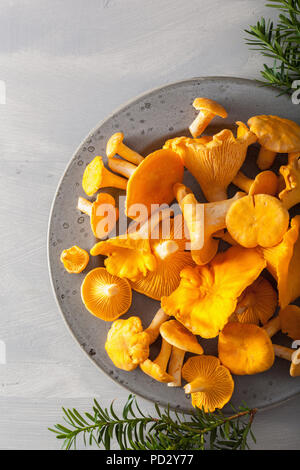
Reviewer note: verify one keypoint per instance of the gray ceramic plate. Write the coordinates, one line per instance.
(147, 122)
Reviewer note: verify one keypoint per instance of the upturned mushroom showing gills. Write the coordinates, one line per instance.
(245, 349)
(275, 135)
(290, 195)
(182, 341)
(210, 383)
(257, 304)
(283, 263)
(157, 368)
(96, 176)
(292, 355)
(265, 182)
(215, 163)
(290, 321)
(203, 220)
(105, 296)
(259, 220)
(103, 213)
(207, 295)
(208, 109)
(115, 146)
(74, 259)
(127, 343)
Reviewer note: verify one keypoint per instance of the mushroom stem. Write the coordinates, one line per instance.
(273, 326)
(109, 180)
(201, 122)
(129, 154)
(292, 156)
(84, 206)
(265, 158)
(120, 166)
(164, 355)
(196, 385)
(242, 181)
(166, 248)
(283, 352)
(153, 329)
(111, 290)
(175, 366)
(180, 191)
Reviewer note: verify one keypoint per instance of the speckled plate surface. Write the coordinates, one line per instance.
(147, 122)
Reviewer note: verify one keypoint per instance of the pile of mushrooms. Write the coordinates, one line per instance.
(205, 291)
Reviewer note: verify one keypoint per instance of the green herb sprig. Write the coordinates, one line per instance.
(170, 430)
(280, 43)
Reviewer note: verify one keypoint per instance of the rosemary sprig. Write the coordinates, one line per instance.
(169, 430)
(279, 43)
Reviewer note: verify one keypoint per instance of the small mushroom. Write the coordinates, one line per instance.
(157, 368)
(210, 383)
(105, 296)
(115, 146)
(208, 109)
(74, 259)
(290, 195)
(215, 163)
(265, 182)
(203, 220)
(207, 295)
(259, 220)
(245, 348)
(283, 263)
(96, 176)
(182, 341)
(103, 213)
(291, 355)
(290, 321)
(275, 135)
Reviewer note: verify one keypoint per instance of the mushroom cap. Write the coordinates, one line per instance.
(92, 176)
(105, 296)
(257, 220)
(96, 218)
(145, 185)
(257, 303)
(283, 263)
(155, 371)
(290, 321)
(113, 144)
(127, 257)
(290, 195)
(127, 344)
(211, 106)
(165, 278)
(245, 349)
(276, 134)
(295, 364)
(214, 164)
(177, 335)
(207, 295)
(218, 384)
(266, 182)
(74, 259)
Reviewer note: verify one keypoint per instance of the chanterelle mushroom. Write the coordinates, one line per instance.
(210, 383)
(290, 321)
(105, 296)
(291, 355)
(290, 195)
(207, 295)
(96, 176)
(115, 146)
(203, 220)
(157, 368)
(74, 259)
(182, 341)
(275, 135)
(259, 220)
(215, 163)
(245, 349)
(208, 109)
(265, 182)
(103, 213)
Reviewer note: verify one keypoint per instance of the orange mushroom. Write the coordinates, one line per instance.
(115, 146)
(245, 348)
(210, 383)
(290, 321)
(207, 295)
(103, 213)
(290, 195)
(203, 220)
(208, 109)
(215, 163)
(291, 355)
(182, 341)
(257, 220)
(105, 296)
(283, 263)
(157, 368)
(265, 182)
(96, 176)
(275, 135)
(74, 259)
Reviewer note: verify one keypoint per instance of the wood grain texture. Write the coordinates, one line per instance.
(66, 66)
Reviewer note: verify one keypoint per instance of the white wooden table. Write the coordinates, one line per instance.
(67, 65)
